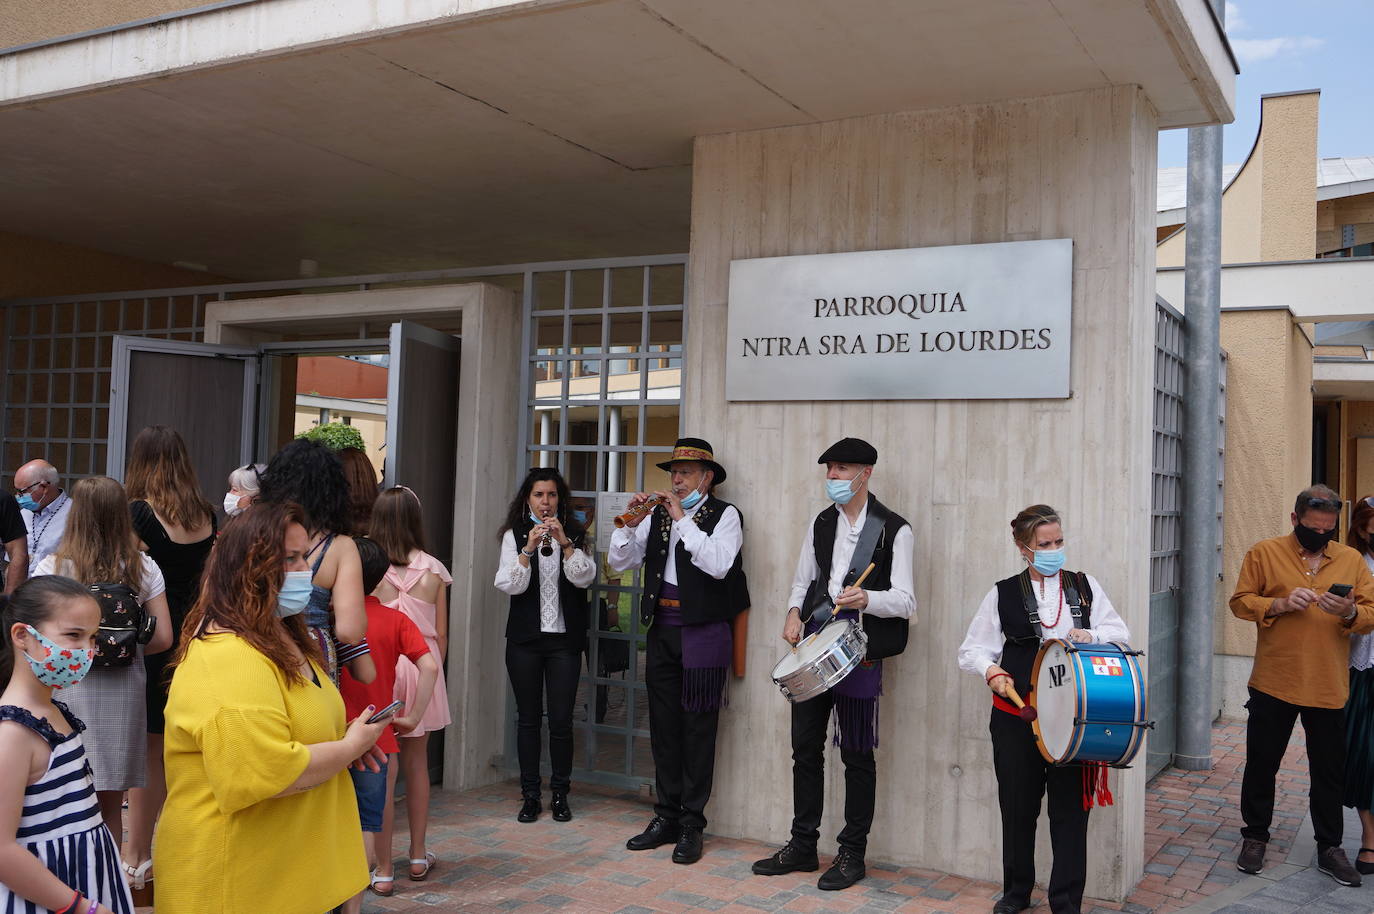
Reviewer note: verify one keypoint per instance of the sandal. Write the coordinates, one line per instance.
(428, 863)
(378, 881)
(140, 875)
(1362, 866)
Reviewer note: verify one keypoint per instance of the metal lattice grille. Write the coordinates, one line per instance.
(1167, 470)
(57, 371)
(603, 393)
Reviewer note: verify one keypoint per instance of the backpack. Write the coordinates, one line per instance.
(123, 625)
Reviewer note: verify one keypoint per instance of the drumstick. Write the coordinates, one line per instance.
(1025, 713)
(871, 566)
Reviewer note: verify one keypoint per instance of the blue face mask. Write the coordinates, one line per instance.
(692, 500)
(1048, 561)
(294, 593)
(26, 502)
(840, 491)
(579, 516)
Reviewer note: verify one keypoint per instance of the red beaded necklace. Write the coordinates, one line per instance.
(1052, 625)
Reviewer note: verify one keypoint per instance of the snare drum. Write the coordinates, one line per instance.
(1090, 701)
(821, 660)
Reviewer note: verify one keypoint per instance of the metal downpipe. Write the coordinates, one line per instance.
(1201, 430)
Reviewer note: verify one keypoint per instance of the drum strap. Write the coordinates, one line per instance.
(1067, 580)
(863, 554)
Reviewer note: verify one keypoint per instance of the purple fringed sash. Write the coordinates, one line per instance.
(707, 652)
(856, 700)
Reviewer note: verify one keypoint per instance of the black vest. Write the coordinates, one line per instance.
(887, 636)
(1015, 603)
(522, 625)
(704, 598)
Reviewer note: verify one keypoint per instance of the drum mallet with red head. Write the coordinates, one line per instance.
(1026, 713)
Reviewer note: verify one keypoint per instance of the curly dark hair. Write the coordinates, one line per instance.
(310, 475)
(517, 515)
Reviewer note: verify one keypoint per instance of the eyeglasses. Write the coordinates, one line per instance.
(1323, 504)
(34, 485)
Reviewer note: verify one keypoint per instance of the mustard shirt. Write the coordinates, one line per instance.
(236, 736)
(1302, 657)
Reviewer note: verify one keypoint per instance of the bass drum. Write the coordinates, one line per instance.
(1091, 702)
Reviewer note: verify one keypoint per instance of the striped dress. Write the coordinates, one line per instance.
(61, 823)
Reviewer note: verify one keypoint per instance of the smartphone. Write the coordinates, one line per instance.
(388, 712)
(1340, 590)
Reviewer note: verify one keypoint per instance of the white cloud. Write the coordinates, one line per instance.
(1234, 20)
(1253, 50)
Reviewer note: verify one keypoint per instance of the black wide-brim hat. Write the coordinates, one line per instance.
(698, 449)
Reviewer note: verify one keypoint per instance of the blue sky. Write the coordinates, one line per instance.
(1284, 45)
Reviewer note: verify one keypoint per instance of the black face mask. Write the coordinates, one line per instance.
(1311, 540)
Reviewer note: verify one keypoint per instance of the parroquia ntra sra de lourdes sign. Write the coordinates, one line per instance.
(978, 321)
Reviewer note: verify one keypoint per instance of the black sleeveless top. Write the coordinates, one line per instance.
(181, 563)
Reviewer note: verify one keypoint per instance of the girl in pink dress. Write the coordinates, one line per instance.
(417, 585)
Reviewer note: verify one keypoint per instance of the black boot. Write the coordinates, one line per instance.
(791, 858)
(688, 849)
(559, 807)
(530, 810)
(660, 832)
(847, 869)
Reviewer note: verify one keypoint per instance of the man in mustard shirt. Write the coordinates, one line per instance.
(1306, 595)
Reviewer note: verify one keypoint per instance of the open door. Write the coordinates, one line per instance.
(422, 439)
(422, 426)
(207, 393)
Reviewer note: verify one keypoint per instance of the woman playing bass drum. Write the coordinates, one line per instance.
(1018, 613)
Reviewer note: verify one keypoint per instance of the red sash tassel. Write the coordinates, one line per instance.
(1095, 785)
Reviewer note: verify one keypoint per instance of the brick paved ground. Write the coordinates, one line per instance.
(491, 863)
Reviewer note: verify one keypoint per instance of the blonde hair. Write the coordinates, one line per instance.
(1024, 525)
(98, 544)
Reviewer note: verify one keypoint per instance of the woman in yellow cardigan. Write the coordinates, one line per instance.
(260, 814)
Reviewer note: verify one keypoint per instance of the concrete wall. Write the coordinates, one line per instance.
(1268, 461)
(33, 267)
(1080, 166)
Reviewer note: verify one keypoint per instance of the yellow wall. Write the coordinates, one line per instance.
(372, 428)
(25, 21)
(1268, 444)
(1288, 227)
(1268, 212)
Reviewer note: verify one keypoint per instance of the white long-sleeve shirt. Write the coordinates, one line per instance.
(899, 601)
(713, 553)
(982, 645)
(514, 578)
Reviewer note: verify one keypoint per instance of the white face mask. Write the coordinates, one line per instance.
(231, 504)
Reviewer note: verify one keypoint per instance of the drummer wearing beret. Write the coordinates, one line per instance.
(1015, 617)
(839, 545)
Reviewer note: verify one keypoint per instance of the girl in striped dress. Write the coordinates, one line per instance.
(56, 855)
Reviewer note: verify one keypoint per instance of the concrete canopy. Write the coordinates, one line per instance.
(478, 131)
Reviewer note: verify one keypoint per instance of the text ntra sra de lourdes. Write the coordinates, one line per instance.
(913, 306)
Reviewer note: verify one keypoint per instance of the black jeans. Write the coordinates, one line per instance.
(1266, 739)
(810, 724)
(1023, 779)
(549, 664)
(683, 742)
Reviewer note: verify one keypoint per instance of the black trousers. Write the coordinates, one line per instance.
(810, 724)
(1023, 779)
(683, 742)
(1266, 739)
(550, 664)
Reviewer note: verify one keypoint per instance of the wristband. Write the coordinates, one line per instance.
(998, 676)
(71, 906)
(528, 555)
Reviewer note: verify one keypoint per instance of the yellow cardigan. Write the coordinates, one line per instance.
(236, 736)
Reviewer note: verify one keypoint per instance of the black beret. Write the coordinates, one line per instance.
(850, 450)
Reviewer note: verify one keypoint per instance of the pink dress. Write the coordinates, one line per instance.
(437, 715)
